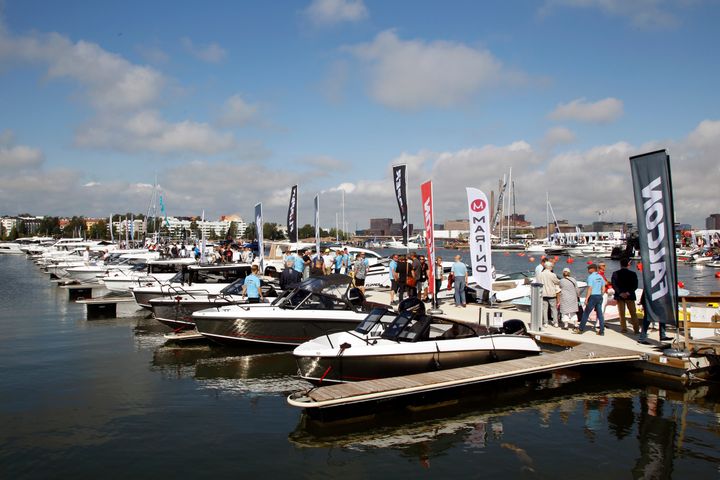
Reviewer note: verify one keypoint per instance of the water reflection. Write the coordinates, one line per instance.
(644, 430)
(253, 370)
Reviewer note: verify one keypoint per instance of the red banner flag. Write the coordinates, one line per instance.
(427, 210)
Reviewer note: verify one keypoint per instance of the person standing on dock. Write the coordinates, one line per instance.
(569, 300)
(540, 267)
(551, 288)
(403, 272)
(251, 286)
(593, 300)
(392, 270)
(608, 285)
(289, 277)
(360, 271)
(438, 278)
(460, 272)
(625, 282)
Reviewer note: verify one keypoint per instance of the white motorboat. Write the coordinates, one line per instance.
(154, 272)
(318, 305)
(10, 248)
(113, 261)
(387, 344)
(176, 311)
(191, 279)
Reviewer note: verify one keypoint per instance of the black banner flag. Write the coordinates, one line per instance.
(400, 184)
(656, 219)
(292, 228)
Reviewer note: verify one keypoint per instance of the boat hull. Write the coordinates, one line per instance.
(340, 369)
(274, 330)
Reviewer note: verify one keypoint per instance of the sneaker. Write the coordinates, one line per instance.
(643, 342)
(577, 330)
(664, 339)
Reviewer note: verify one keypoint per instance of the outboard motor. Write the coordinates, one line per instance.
(514, 327)
(413, 305)
(356, 297)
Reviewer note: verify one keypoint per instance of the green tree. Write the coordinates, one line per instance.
(49, 226)
(13, 233)
(306, 231)
(251, 231)
(76, 226)
(232, 231)
(98, 230)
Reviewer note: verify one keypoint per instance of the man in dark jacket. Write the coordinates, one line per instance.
(289, 277)
(625, 282)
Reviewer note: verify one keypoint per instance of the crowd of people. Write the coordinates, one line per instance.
(561, 304)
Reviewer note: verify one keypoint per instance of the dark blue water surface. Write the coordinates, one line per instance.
(108, 398)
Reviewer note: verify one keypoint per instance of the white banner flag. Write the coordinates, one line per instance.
(479, 239)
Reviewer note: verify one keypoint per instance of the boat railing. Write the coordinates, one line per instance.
(180, 290)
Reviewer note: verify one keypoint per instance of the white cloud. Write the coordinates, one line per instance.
(237, 112)
(558, 136)
(19, 157)
(148, 131)
(603, 111)
(212, 53)
(706, 136)
(415, 74)
(330, 12)
(642, 13)
(579, 183)
(111, 82)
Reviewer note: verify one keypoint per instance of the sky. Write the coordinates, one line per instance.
(226, 104)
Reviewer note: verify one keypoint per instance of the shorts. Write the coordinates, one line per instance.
(359, 282)
(394, 286)
(421, 286)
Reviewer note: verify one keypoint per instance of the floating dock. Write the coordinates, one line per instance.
(108, 306)
(81, 291)
(683, 360)
(387, 388)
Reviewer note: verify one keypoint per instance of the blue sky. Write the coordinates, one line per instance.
(231, 103)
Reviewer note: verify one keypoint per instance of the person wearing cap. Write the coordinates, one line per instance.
(328, 261)
(593, 300)
(569, 300)
(551, 288)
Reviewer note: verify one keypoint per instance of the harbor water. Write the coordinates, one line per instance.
(109, 398)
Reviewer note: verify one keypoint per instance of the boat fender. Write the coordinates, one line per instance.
(675, 353)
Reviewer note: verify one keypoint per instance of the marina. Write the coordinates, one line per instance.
(256, 382)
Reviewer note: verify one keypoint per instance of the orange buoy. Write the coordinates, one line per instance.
(570, 260)
(589, 262)
(556, 259)
(681, 285)
(717, 274)
(531, 259)
(639, 266)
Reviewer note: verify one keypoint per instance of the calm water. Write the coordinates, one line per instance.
(108, 398)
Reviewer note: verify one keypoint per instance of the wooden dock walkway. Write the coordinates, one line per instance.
(383, 389)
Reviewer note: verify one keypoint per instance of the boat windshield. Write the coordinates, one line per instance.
(406, 328)
(379, 316)
(235, 288)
